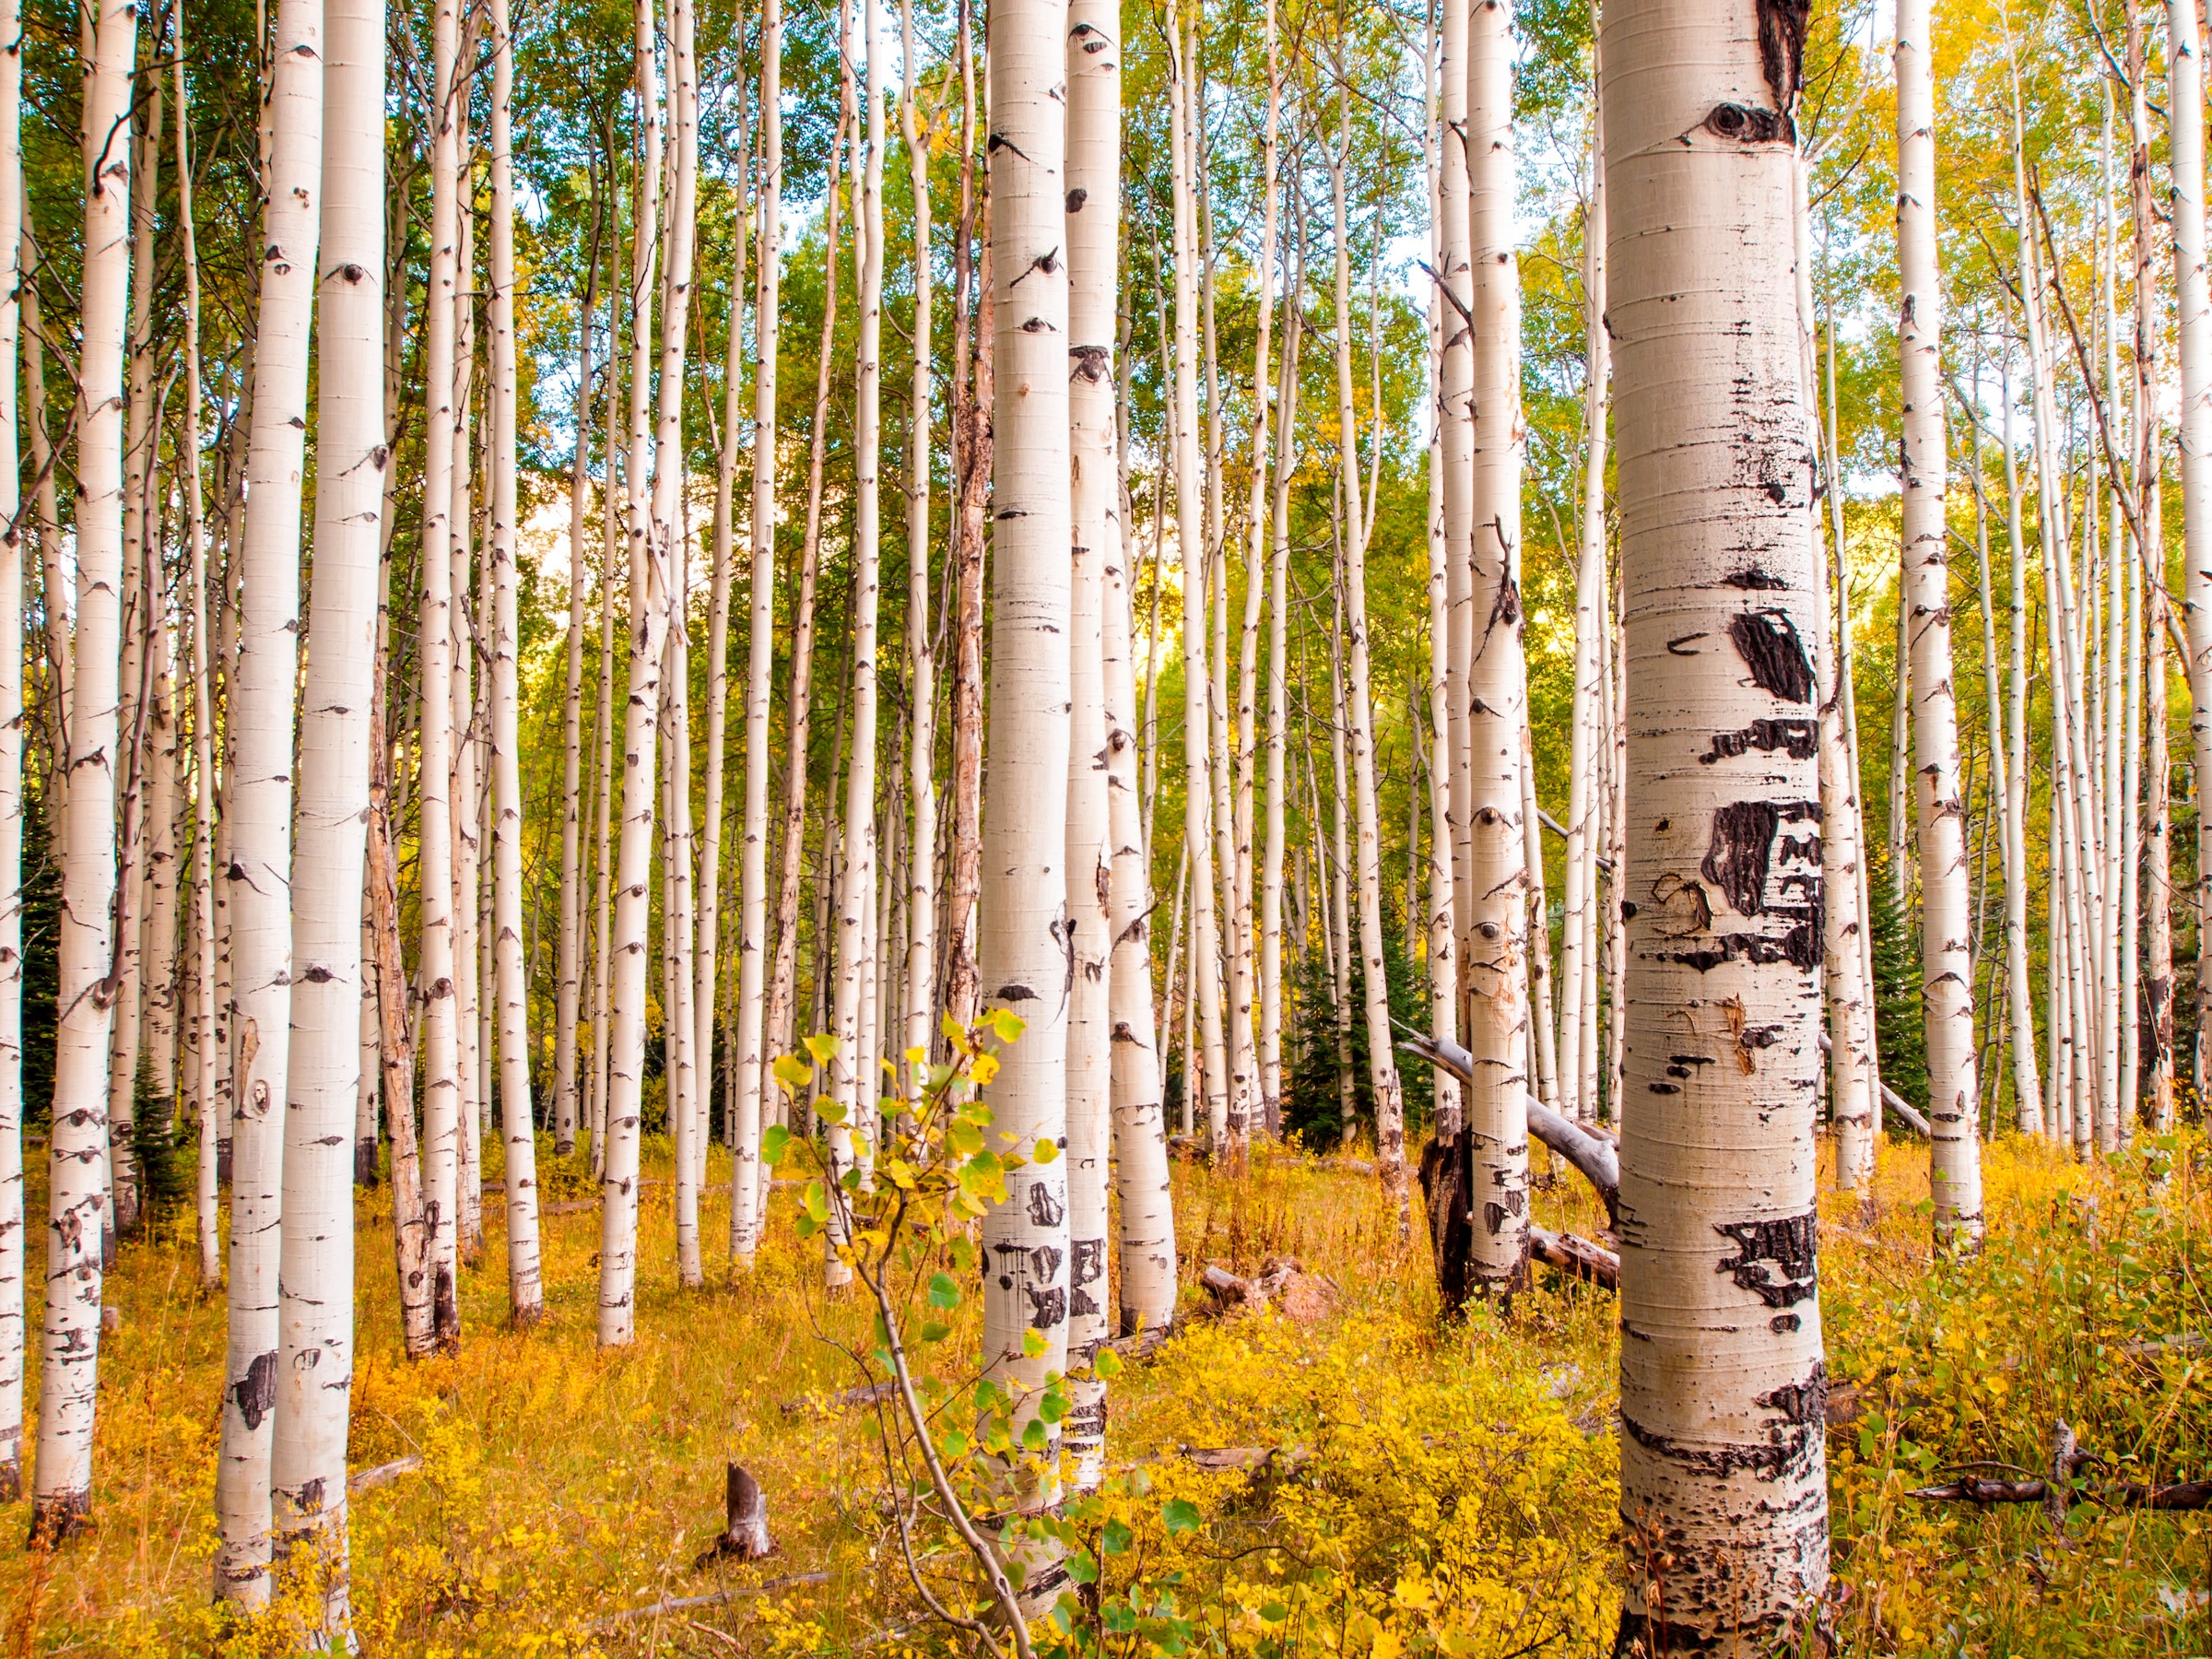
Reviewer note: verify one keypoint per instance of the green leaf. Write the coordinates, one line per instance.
(1273, 1612)
(1181, 1517)
(1044, 1152)
(1036, 1438)
(823, 1047)
(1083, 1570)
(1106, 1365)
(793, 1072)
(943, 1291)
(831, 1110)
(1006, 1025)
(1053, 1407)
(1116, 1539)
(775, 1141)
(816, 1202)
(1032, 1345)
(934, 1332)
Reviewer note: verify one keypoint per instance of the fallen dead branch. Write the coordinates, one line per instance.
(685, 1604)
(1302, 1297)
(2056, 1492)
(1575, 1257)
(367, 1480)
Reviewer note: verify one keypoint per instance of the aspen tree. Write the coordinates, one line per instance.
(2192, 333)
(648, 603)
(2019, 989)
(852, 1075)
(12, 676)
(1850, 1009)
(1455, 422)
(1278, 629)
(1722, 1450)
(567, 988)
(1147, 1281)
(751, 1052)
(204, 1017)
(470, 608)
(920, 944)
(709, 921)
(783, 983)
(1955, 1144)
(314, 1372)
(1093, 82)
(263, 900)
(1224, 1137)
(1267, 1040)
(441, 1048)
(1021, 950)
(1494, 942)
(1383, 1071)
(1578, 1018)
(525, 1290)
(612, 522)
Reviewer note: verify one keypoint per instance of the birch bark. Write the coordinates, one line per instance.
(12, 676)
(314, 1372)
(760, 664)
(1722, 1450)
(262, 898)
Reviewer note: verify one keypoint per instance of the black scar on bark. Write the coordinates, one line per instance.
(1739, 856)
(1776, 1260)
(1768, 1460)
(1797, 737)
(1748, 123)
(1045, 1210)
(256, 1390)
(1781, 25)
(1047, 1308)
(1767, 642)
(1801, 1403)
(1755, 580)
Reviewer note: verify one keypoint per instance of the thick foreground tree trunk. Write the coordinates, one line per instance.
(1724, 1483)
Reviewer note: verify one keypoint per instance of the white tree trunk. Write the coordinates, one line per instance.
(1278, 635)
(313, 1374)
(525, 1290)
(440, 1043)
(12, 676)
(649, 581)
(1494, 943)
(1722, 1450)
(2019, 986)
(1225, 1138)
(1094, 109)
(1022, 953)
(261, 897)
(2186, 106)
(1382, 1065)
(920, 944)
(852, 1076)
(76, 1193)
(752, 859)
(1948, 970)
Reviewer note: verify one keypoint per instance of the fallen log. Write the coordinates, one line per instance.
(1303, 1297)
(1592, 1154)
(684, 1604)
(845, 1399)
(367, 1480)
(1577, 1258)
(2056, 1492)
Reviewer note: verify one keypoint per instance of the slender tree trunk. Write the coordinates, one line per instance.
(12, 676)
(76, 1196)
(2019, 989)
(1225, 1137)
(706, 955)
(525, 1289)
(312, 1384)
(1494, 944)
(920, 944)
(1021, 949)
(1382, 1065)
(1093, 197)
(568, 991)
(2186, 106)
(1340, 853)
(1947, 969)
(1723, 859)
(751, 1053)
(783, 985)
(612, 532)
(263, 899)
(648, 605)
(206, 1020)
(1279, 633)
(1578, 1022)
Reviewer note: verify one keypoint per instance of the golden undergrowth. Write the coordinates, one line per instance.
(1448, 1488)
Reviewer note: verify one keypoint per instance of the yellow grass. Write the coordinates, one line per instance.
(1456, 1497)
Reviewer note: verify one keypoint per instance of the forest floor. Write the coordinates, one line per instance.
(1440, 1488)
